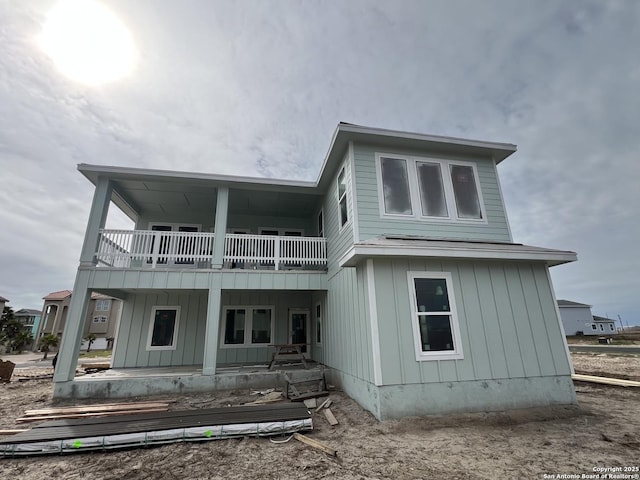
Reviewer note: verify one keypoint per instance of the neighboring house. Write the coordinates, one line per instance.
(396, 269)
(578, 320)
(2, 303)
(101, 319)
(603, 325)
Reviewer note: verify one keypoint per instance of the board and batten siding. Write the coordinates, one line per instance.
(507, 318)
(371, 224)
(347, 344)
(131, 342)
(281, 302)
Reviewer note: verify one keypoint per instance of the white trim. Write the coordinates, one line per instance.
(560, 323)
(373, 321)
(176, 325)
(248, 326)
(307, 326)
(339, 197)
(317, 319)
(354, 195)
(504, 207)
(115, 334)
(421, 356)
(414, 189)
(463, 250)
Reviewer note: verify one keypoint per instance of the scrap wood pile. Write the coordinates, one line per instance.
(92, 411)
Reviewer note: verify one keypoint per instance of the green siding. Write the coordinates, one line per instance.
(347, 343)
(506, 314)
(371, 224)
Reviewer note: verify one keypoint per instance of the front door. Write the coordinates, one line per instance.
(299, 327)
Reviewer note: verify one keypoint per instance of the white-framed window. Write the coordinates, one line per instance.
(100, 319)
(429, 189)
(601, 327)
(103, 305)
(318, 315)
(611, 327)
(321, 223)
(163, 328)
(434, 317)
(244, 326)
(594, 327)
(343, 209)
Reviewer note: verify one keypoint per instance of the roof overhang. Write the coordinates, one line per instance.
(455, 250)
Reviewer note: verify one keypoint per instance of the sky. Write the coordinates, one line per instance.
(258, 87)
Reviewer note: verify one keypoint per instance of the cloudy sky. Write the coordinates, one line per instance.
(257, 87)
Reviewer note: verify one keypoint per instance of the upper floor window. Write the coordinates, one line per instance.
(428, 188)
(103, 305)
(321, 223)
(342, 197)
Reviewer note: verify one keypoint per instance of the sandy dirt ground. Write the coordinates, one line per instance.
(602, 431)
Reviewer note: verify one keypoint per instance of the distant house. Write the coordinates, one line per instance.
(396, 270)
(2, 302)
(101, 319)
(577, 319)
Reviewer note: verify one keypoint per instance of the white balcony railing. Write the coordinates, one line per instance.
(275, 251)
(150, 248)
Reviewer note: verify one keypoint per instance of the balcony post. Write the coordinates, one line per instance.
(222, 207)
(211, 331)
(276, 252)
(97, 219)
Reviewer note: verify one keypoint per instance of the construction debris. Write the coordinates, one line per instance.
(6, 370)
(315, 444)
(92, 411)
(617, 382)
(326, 404)
(310, 403)
(13, 431)
(268, 398)
(330, 417)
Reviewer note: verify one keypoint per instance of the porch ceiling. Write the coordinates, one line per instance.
(172, 198)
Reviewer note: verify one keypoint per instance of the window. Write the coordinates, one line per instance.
(601, 327)
(594, 327)
(434, 317)
(318, 325)
(244, 326)
(103, 305)
(163, 328)
(321, 223)
(342, 197)
(100, 319)
(425, 188)
(611, 327)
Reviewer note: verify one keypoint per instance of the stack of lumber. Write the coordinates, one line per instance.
(92, 411)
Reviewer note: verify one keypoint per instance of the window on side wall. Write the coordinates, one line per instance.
(318, 324)
(433, 315)
(247, 326)
(342, 197)
(163, 328)
(103, 305)
(611, 327)
(429, 188)
(594, 327)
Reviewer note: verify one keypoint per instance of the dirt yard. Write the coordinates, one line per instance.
(603, 431)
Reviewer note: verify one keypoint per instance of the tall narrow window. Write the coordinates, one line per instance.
(318, 325)
(321, 223)
(234, 326)
(163, 329)
(342, 197)
(261, 326)
(465, 191)
(435, 323)
(432, 196)
(395, 186)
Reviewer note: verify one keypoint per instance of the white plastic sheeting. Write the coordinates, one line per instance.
(159, 437)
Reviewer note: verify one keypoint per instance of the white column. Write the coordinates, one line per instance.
(72, 336)
(97, 219)
(211, 332)
(222, 207)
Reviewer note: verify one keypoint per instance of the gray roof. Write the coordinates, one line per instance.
(2, 299)
(27, 312)
(568, 303)
(596, 318)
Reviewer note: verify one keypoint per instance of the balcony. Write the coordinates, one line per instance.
(158, 249)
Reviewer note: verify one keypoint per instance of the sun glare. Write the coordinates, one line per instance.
(87, 42)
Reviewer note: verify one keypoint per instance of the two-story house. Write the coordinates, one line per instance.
(396, 269)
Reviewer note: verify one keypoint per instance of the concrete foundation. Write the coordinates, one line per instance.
(397, 401)
(127, 384)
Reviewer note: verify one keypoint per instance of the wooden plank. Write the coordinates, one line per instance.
(107, 407)
(324, 404)
(86, 415)
(315, 444)
(618, 382)
(310, 403)
(330, 417)
(304, 396)
(13, 431)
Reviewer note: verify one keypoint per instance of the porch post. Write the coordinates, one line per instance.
(211, 332)
(72, 337)
(97, 219)
(222, 206)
